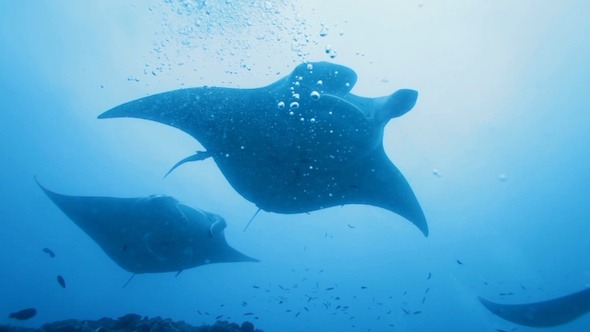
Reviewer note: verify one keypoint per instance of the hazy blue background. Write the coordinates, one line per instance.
(497, 150)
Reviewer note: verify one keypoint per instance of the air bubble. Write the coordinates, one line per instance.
(281, 105)
(320, 82)
(294, 105)
(314, 95)
(309, 66)
(296, 96)
(328, 48)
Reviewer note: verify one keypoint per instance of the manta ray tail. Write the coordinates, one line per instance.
(128, 281)
(200, 155)
(249, 222)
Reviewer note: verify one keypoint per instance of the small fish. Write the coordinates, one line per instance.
(199, 312)
(416, 312)
(337, 298)
(521, 286)
(500, 330)
(391, 325)
(288, 310)
(297, 314)
(244, 303)
(350, 226)
(429, 276)
(363, 287)
(49, 252)
(222, 305)
(406, 311)
(406, 292)
(389, 312)
(427, 289)
(218, 316)
(306, 309)
(61, 281)
(338, 307)
(330, 288)
(423, 299)
(351, 317)
(254, 286)
(459, 262)
(506, 294)
(206, 313)
(378, 318)
(23, 314)
(248, 314)
(321, 271)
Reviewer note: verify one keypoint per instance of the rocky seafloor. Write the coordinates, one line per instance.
(133, 322)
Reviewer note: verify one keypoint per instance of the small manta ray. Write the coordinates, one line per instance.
(548, 313)
(150, 234)
(297, 145)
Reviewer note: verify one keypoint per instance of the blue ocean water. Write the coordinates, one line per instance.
(496, 150)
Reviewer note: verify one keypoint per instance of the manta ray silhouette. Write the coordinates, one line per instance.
(547, 313)
(300, 144)
(150, 234)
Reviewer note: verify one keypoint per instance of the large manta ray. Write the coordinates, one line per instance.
(300, 144)
(547, 313)
(150, 234)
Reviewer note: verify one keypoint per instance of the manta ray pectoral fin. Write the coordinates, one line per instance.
(396, 105)
(200, 155)
(382, 184)
(547, 313)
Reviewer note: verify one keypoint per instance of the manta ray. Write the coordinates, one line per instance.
(300, 144)
(150, 234)
(547, 313)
